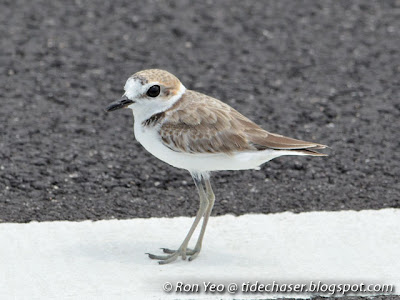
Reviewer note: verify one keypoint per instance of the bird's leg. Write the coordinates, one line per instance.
(183, 251)
(211, 200)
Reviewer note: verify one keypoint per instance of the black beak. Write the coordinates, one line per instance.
(121, 103)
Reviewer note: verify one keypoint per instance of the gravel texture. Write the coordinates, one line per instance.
(324, 71)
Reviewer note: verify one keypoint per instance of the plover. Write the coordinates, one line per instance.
(201, 134)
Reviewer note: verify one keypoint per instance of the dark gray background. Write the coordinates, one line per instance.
(323, 71)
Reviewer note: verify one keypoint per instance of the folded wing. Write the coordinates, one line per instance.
(202, 124)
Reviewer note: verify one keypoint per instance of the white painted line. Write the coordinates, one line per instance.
(105, 259)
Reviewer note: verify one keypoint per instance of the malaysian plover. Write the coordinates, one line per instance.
(201, 134)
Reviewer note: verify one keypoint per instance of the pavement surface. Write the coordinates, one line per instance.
(323, 71)
(320, 71)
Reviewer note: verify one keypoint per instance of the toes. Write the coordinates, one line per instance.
(169, 251)
(194, 255)
(172, 255)
(168, 260)
(158, 257)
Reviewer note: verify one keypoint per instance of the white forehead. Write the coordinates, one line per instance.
(134, 87)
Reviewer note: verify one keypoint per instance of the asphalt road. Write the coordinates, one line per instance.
(324, 71)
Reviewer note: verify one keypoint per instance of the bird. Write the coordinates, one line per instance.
(192, 131)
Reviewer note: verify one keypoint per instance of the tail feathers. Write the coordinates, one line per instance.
(266, 140)
(311, 151)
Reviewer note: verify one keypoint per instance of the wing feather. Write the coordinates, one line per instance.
(202, 124)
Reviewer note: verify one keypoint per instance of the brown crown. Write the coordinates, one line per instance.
(163, 77)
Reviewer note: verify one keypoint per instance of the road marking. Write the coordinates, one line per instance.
(105, 259)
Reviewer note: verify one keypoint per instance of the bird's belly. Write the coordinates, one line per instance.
(200, 162)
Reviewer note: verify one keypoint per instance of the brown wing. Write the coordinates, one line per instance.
(201, 124)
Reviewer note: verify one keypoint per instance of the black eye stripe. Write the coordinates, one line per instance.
(153, 91)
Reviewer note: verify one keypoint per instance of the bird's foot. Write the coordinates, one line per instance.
(192, 253)
(172, 255)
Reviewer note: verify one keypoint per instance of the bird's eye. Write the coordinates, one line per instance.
(153, 91)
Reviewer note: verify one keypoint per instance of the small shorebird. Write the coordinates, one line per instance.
(201, 134)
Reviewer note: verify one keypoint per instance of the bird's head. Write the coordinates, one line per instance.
(152, 89)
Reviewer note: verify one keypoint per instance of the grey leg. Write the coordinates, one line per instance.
(182, 251)
(211, 199)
